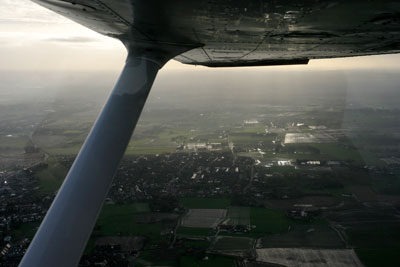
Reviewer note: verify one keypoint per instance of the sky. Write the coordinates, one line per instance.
(34, 38)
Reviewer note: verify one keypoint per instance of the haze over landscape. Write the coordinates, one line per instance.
(249, 166)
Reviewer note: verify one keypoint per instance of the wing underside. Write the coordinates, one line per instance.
(246, 33)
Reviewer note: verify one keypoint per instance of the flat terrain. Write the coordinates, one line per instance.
(210, 261)
(51, 178)
(312, 236)
(203, 218)
(270, 133)
(238, 216)
(316, 201)
(292, 138)
(205, 203)
(378, 257)
(125, 220)
(268, 221)
(309, 257)
(127, 243)
(194, 231)
(153, 217)
(233, 243)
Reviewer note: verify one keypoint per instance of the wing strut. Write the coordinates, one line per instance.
(62, 236)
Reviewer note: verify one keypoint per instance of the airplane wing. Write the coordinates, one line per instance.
(215, 33)
(245, 33)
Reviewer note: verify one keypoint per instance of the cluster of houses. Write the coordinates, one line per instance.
(20, 204)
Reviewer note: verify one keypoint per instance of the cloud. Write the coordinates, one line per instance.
(24, 24)
(72, 39)
(25, 11)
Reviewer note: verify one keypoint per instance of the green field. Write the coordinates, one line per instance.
(197, 244)
(233, 243)
(51, 178)
(268, 221)
(329, 151)
(205, 203)
(141, 207)
(322, 236)
(149, 258)
(238, 215)
(25, 230)
(192, 231)
(379, 257)
(257, 128)
(380, 236)
(148, 150)
(284, 169)
(337, 152)
(157, 141)
(64, 150)
(211, 261)
(377, 246)
(13, 142)
(265, 221)
(251, 138)
(172, 258)
(132, 149)
(121, 220)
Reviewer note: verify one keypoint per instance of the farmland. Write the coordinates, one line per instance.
(312, 236)
(203, 218)
(206, 175)
(267, 221)
(238, 215)
(121, 220)
(309, 257)
(233, 243)
(205, 203)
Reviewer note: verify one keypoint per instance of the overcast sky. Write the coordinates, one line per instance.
(31, 37)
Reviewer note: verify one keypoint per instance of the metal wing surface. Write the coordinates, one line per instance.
(246, 33)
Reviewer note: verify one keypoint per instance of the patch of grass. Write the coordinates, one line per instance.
(379, 257)
(149, 258)
(336, 152)
(233, 243)
(13, 142)
(321, 237)
(74, 132)
(282, 169)
(149, 150)
(212, 261)
(196, 244)
(380, 236)
(268, 221)
(64, 150)
(176, 258)
(192, 231)
(25, 230)
(251, 139)
(258, 128)
(238, 215)
(111, 209)
(389, 185)
(141, 207)
(205, 203)
(51, 178)
(121, 220)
